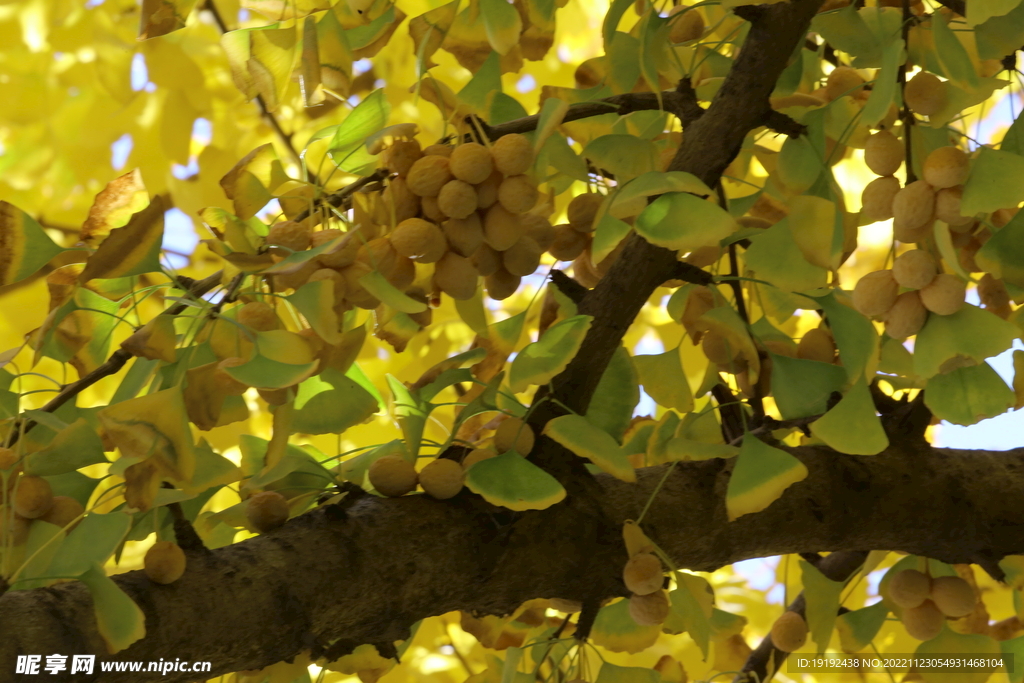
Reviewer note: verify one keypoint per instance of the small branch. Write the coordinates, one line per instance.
(839, 566)
(184, 533)
(112, 365)
(733, 427)
(585, 621)
(751, 13)
(906, 115)
(770, 425)
(337, 199)
(687, 272)
(908, 420)
(682, 104)
(568, 286)
(784, 124)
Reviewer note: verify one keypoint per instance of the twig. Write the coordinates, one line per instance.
(568, 286)
(732, 419)
(337, 199)
(113, 364)
(770, 425)
(906, 115)
(285, 138)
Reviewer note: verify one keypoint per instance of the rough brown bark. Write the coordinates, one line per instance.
(367, 574)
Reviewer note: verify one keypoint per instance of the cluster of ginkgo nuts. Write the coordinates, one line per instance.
(927, 602)
(877, 294)
(644, 576)
(28, 498)
(469, 210)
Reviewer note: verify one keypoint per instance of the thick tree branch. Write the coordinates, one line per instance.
(365, 575)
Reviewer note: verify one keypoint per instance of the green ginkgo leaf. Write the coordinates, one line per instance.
(822, 596)
(581, 437)
(968, 395)
(540, 361)
(684, 222)
(852, 426)
(27, 248)
(615, 630)
(119, 620)
(857, 628)
(970, 333)
(664, 379)
(761, 474)
(512, 481)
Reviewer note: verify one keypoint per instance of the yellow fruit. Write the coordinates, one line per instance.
(400, 156)
(953, 596)
(332, 277)
(33, 497)
(817, 345)
(517, 194)
(789, 632)
(420, 240)
(501, 228)
(946, 167)
(455, 276)
(476, 455)
(471, 162)
(906, 317)
(501, 284)
(354, 290)
(393, 476)
(582, 211)
(875, 293)
(442, 479)
(380, 254)
(514, 434)
(266, 511)
(290, 235)
(883, 153)
(914, 269)
(438, 150)
(259, 316)
(486, 260)
(539, 229)
(513, 154)
(568, 243)
(428, 175)
(397, 203)
(909, 588)
(643, 574)
(584, 272)
(649, 610)
(877, 197)
(947, 207)
(843, 80)
(522, 258)
(925, 94)
(945, 295)
(908, 235)
(913, 206)
(465, 235)
(717, 348)
(345, 255)
(487, 191)
(923, 622)
(687, 26)
(164, 562)
(457, 199)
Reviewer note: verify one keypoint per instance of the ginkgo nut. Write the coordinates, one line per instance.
(471, 162)
(259, 315)
(290, 235)
(923, 622)
(643, 574)
(946, 167)
(457, 199)
(875, 293)
(464, 235)
(419, 240)
(925, 94)
(914, 205)
(649, 610)
(513, 154)
(428, 175)
(517, 194)
(266, 511)
(877, 198)
(945, 295)
(64, 512)
(914, 269)
(33, 496)
(906, 317)
(817, 345)
(455, 276)
(568, 243)
(514, 434)
(789, 632)
(687, 26)
(501, 284)
(442, 478)
(164, 562)
(883, 153)
(953, 596)
(909, 588)
(393, 476)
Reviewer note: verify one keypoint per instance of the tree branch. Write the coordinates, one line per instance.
(408, 558)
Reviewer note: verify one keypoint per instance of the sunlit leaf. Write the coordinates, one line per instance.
(968, 395)
(577, 434)
(539, 362)
(761, 474)
(512, 481)
(119, 620)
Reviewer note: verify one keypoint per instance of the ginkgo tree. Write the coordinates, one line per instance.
(341, 377)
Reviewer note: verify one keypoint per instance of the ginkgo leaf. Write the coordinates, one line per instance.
(852, 426)
(656, 183)
(512, 481)
(315, 301)
(615, 630)
(665, 380)
(761, 474)
(775, 257)
(114, 205)
(822, 596)
(540, 361)
(968, 395)
(369, 116)
(994, 182)
(684, 222)
(979, 648)
(857, 628)
(27, 248)
(801, 387)
(812, 221)
(970, 333)
(153, 425)
(581, 437)
(131, 250)
(1003, 254)
(692, 606)
(330, 403)
(502, 24)
(119, 620)
(249, 184)
(856, 338)
(612, 673)
(93, 541)
(72, 448)
(160, 17)
(611, 407)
